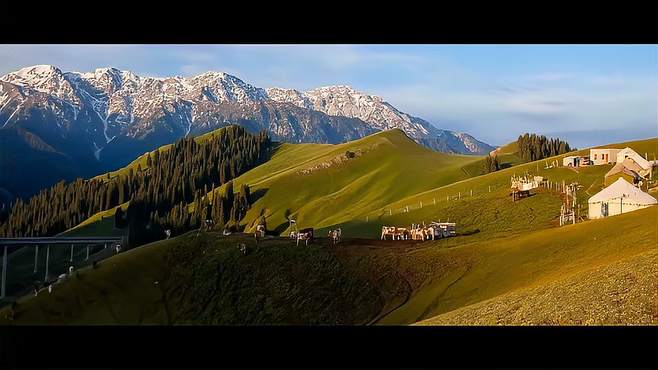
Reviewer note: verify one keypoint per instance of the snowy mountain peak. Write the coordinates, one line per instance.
(110, 103)
(33, 75)
(292, 96)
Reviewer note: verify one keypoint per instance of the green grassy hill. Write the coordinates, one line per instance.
(492, 268)
(321, 184)
(504, 250)
(622, 293)
(206, 280)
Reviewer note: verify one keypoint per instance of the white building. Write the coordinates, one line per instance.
(603, 156)
(620, 197)
(571, 161)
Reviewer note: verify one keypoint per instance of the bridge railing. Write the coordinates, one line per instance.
(16, 252)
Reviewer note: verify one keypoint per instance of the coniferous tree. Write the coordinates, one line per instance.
(158, 196)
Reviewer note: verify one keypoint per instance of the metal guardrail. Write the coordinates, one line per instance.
(48, 241)
(59, 240)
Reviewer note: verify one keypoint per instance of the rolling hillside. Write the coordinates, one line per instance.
(323, 184)
(204, 279)
(509, 264)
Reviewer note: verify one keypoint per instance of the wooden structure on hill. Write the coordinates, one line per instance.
(569, 209)
(521, 185)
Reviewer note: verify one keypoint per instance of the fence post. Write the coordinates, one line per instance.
(459, 195)
(489, 187)
(421, 204)
(87, 253)
(71, 259)
(434, 201)
(471, 192)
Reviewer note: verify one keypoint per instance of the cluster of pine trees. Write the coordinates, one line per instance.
(174, 177)
(491, 164)
(534, 147)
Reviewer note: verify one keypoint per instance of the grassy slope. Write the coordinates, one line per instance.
(496, 214)
(622, 292)
(205, 280)
(491, 269)
(391, 167)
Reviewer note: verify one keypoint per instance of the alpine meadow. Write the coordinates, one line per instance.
(127, 199)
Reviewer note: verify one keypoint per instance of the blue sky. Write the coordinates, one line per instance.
(587, 94)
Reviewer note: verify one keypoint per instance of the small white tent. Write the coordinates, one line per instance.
(620, 197)
(632, 154)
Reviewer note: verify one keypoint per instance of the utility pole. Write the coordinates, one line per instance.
(4, 273)
(47, 258)
(36, 257)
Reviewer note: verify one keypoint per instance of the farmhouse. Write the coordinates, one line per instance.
(571, 161)
(620, 197)
(575, 161)
(603, 156)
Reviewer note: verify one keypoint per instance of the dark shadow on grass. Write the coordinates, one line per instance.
(469, 232)
(278, 230)
(257, 194)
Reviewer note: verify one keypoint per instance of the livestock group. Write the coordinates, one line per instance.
(435, 230)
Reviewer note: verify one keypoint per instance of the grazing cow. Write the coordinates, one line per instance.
(306, 235)
(243, 248)
(117, 248)
(168, 233)
(402, 233)
(396, 233)
(334, 235)
(260, 232)
(388, 230)
(70, 270)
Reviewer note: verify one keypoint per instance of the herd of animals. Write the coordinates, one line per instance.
(435, 230)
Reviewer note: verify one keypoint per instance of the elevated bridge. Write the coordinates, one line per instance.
(15, 252)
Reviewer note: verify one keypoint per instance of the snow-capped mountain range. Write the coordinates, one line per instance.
(103, 119)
